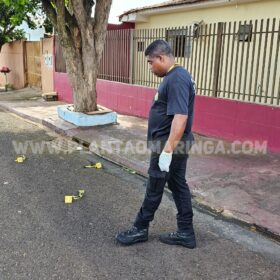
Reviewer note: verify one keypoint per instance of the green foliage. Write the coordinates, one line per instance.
(17, 34)
(12, 14)
(48, 26)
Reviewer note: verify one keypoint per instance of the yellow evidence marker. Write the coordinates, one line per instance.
(98, 165)
(71, 198)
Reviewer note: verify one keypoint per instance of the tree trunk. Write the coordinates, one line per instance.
(83, 76)
(83, 70)
(82, 40)
(84, 92)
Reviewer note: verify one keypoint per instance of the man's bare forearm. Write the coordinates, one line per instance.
(178, 127)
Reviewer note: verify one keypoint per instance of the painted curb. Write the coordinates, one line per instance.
(81, 119)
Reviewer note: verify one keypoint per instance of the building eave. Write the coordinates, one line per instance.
(134, 17)
(143, 15)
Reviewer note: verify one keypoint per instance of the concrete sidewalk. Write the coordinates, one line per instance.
(244, 187)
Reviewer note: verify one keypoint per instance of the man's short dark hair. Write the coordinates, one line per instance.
(158, 47)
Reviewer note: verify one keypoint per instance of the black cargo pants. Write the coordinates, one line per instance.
(178, 186)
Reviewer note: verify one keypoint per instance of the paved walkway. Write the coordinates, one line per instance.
(244, 187)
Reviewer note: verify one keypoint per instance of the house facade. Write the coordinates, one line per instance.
(230, 47)
(187, 12)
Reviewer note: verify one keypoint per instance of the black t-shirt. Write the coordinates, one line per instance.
(175, 95)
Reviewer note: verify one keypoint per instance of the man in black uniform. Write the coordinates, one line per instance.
(169, 138)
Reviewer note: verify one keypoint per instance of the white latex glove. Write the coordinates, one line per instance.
(164, 161)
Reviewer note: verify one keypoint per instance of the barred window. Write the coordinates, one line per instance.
(140, 46)
(245, 33)
(180, 41)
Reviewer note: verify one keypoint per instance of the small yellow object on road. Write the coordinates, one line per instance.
(20, 159)
(98, 165)
(70, 198)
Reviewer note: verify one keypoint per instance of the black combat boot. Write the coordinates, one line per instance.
(179, 238)
(133, 235)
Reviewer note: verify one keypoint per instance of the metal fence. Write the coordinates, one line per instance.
(235, 60)
(115, 63)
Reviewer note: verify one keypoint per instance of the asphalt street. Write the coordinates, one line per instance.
(44, 238)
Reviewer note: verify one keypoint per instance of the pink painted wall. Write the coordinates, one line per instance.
(63, 87)
(234, 120)
(126, 99)
(123, 98)
(221, 118)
